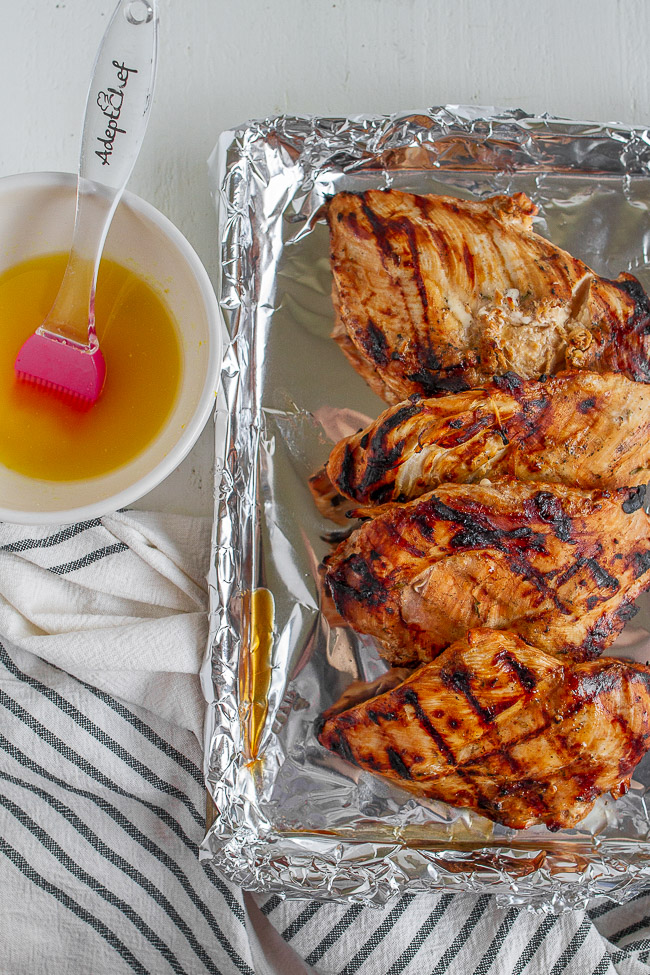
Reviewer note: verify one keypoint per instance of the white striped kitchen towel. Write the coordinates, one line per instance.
(102, 626)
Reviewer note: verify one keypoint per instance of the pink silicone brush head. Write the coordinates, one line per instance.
(71, 370)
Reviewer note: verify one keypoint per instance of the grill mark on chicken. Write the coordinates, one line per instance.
(585, 688)
(468, 261)
(631, 286)
(389, 257)
(341, 745)
(374, 343)
(476, 537)
(431, 385)
(346, 471)
(381, 458)
(549, 509)
(459, 681)
(408, 230)
(411, 697)
(524, 675)
(641, 563)
(369, 589)
(354, 225)
(397, 764)
(398, 416)
(635, 500)
(521, 566)
(521, 766)
(377, 227)
(375, 469)
(601, 634)
(478, 528)
(442, 247)
(626, 611)
(510, 382)
(601, 576)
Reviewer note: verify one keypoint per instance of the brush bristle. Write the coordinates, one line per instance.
(63, 392)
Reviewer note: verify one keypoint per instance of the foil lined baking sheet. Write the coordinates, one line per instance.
(289, 815)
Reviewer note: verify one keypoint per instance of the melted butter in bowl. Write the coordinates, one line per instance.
(44, 436)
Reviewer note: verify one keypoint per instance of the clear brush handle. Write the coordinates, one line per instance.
(117, 112)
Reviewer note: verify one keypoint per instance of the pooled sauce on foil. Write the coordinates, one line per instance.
(44, 436)
(258, 612)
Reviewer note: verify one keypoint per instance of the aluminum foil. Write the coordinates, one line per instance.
(290, 816)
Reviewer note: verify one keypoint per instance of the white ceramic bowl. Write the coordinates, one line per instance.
(36, 217)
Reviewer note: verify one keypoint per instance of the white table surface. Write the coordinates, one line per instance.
(222, 63)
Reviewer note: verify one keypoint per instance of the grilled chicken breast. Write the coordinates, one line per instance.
(558, 566)
(499, 727)
(577, 428)
(434, 294)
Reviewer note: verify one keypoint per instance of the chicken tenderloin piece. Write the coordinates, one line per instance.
(497, 726)
(578, 428)
(434, 294)
(558, 566)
